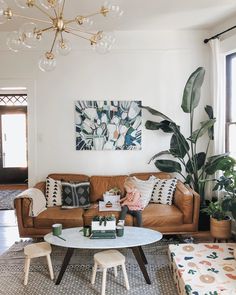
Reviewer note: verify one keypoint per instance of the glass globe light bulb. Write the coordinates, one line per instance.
(3, 8)
(29, 36)
(114, 10)
(63, 47)
(47, 62)
(48, 4)
(86, 22)
(22, 3)
(14, 42)
(104, 45)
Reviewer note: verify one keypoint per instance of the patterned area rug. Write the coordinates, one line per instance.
(76, 280)
(7, 197)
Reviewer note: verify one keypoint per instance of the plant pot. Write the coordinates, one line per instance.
(220, 229)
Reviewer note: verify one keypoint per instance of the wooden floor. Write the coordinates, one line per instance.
(8, 230)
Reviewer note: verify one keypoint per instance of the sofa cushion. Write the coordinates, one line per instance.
(145, 188)
(163, 191)
(93, 211)
(53, 192)
(156, 215)
(100, 184)
(67, 217)
(75, 195)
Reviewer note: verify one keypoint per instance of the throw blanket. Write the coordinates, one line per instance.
(38, 203)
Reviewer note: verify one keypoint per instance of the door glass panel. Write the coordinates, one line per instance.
(14, 140)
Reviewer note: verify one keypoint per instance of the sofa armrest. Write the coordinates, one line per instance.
(22, 209)
(187, 201)
(41, 186)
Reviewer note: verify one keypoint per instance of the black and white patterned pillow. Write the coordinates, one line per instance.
(163, 191)
(53, 192)
(75, 195)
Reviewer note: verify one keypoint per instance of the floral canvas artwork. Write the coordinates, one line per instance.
(108, 125)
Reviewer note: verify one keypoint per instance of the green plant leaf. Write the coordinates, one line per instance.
(159, 154)
(205, 126)
(209, 111)
(163, 125)
(220, 162)
(226, 204)
(192, 90)
(168, 166)
(199, 160)
(156, 113)
(178, 146)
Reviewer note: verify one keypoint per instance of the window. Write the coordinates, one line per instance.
(231, 104)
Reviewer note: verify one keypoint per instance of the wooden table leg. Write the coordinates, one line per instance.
(66, 261)
(139, 258)
(143, 255)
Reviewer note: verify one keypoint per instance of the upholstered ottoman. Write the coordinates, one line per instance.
(204, 269)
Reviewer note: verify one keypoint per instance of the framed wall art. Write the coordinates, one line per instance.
(108, 125)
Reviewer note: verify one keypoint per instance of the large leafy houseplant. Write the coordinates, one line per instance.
(197, 165)
(227, 184)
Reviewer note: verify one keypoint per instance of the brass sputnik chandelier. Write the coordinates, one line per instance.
(30, 34)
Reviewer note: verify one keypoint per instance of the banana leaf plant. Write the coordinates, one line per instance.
(193, 165)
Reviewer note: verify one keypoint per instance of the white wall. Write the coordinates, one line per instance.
(148, 66)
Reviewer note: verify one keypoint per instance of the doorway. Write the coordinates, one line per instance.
(13, 139)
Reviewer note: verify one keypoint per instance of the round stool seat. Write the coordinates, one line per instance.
(34, 251)
(37, 250)
(109, 258)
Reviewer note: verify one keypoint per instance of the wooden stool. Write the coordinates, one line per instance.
(107, 259)
(37, 250)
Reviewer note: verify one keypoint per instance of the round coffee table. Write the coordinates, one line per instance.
(134, 238)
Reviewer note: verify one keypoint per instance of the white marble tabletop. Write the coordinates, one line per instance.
(133, 237)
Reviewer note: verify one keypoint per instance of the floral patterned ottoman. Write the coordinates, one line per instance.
(204, 269)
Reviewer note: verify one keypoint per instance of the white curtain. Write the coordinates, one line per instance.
(218, 95)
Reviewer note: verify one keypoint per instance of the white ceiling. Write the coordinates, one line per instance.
(146, 14)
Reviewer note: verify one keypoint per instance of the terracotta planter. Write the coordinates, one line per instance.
(221, 229)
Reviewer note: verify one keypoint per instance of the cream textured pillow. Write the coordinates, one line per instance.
(145, 187)
(163, 191)
(53, 192)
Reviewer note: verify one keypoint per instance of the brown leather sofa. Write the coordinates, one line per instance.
(181, 217)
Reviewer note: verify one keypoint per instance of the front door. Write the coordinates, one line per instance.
(13, 144)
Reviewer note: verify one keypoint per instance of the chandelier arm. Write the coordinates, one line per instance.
(54, 41)
(73, 20)
(78, 30)
(44, 30)
(63, 7)
(44, 12)
(62, 39)
(92, 14)
(77, 35)
(32, 18)
(55, 12)
(70, 21)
